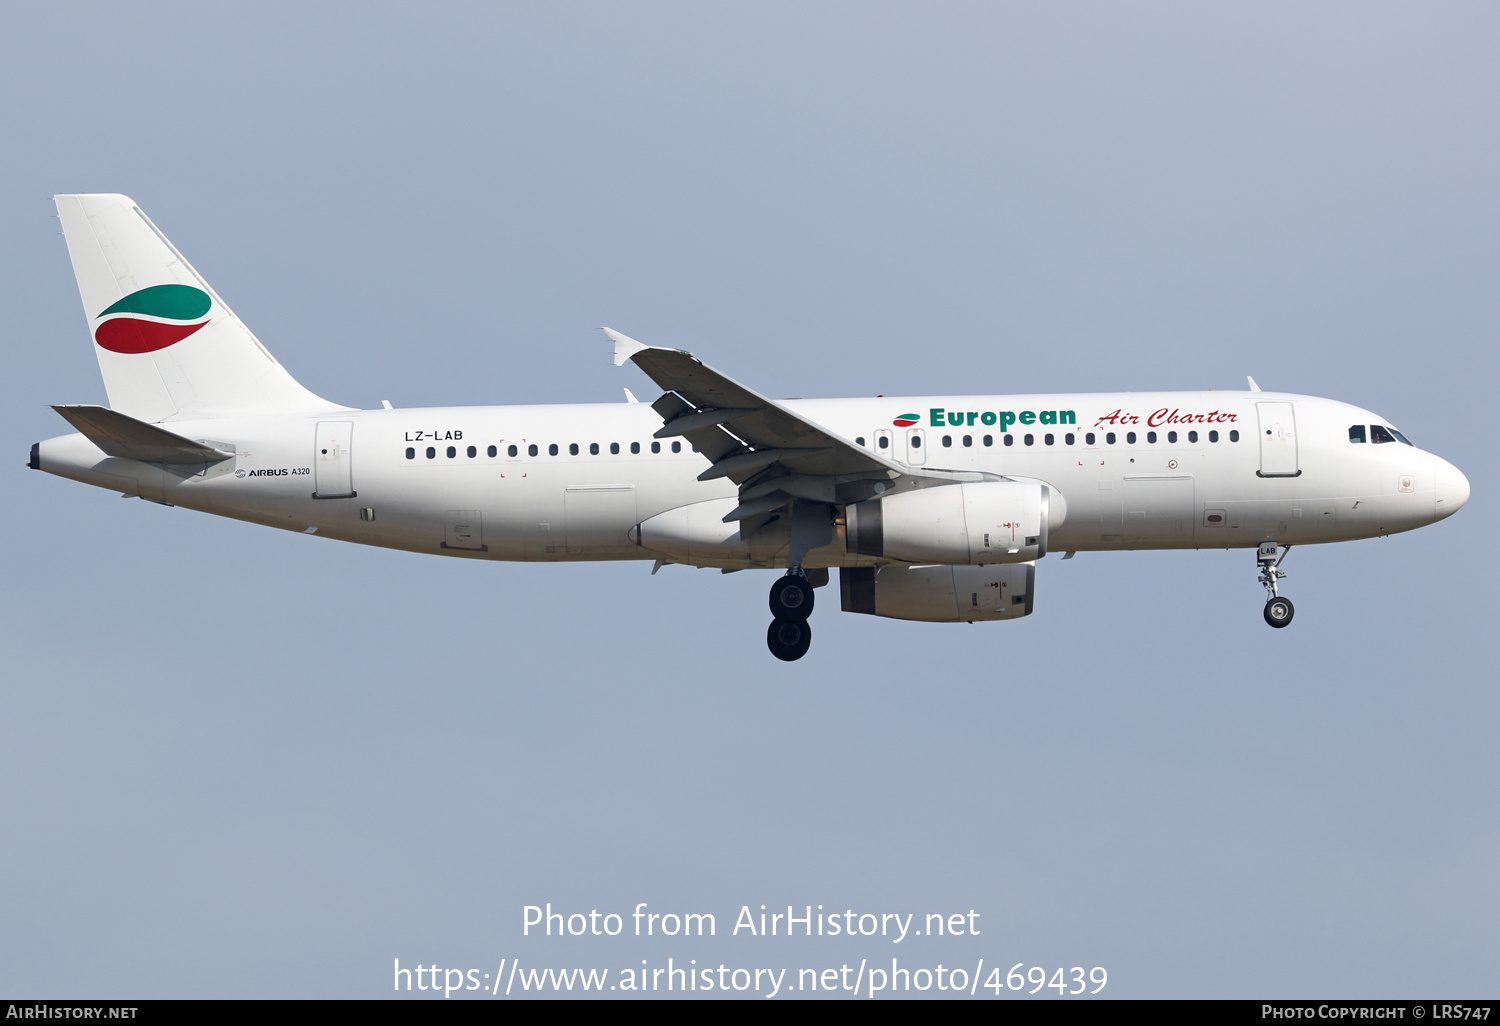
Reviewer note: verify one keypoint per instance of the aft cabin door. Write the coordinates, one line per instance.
(1278, 440)
(331, 475)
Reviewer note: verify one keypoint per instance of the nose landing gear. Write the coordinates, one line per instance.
(789, 635)
(1279, 611)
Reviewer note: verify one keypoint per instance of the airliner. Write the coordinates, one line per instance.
(932, 508)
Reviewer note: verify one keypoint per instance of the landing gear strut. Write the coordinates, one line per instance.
(789, 635)
(1279, 610)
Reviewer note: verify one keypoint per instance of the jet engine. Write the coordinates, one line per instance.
(939, 594)
(971, 523)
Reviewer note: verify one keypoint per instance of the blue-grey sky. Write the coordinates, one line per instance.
(240, 762)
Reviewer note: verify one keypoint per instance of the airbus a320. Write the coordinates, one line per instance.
(933, 508)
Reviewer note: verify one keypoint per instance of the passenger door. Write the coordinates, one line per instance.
(332, 476)
(1278, 440)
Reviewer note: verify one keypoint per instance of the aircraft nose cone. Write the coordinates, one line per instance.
(1452, 489)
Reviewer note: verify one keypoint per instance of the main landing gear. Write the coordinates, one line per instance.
(789, 635)
(1279, 610)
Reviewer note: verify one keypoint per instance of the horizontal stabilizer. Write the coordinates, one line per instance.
(131, 439)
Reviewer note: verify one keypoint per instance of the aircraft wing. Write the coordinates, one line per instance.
(771, 452)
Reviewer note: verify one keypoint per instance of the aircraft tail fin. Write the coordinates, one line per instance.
(168, 347)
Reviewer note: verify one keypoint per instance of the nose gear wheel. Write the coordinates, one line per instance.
(1279, 610)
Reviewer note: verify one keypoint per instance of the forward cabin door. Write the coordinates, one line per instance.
(1278, 440)
(332, 478)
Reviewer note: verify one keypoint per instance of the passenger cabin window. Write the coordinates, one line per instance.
(1379, 434)
(1171, 436)
(635, 448)
(511, 451)
(676, 446)
(916, 441)
(492, 451)
(411, 453)
(431, 453)
(572, 448)
(552, 449)
(989, 439)
(1151, 437)
(1109, 438)
(947, 441)
(1047, 439)
(1029, 439)
(531, 449)
(968, 441)
(884, 442)
(1192, 436)
(475, 452)
(1088, 439)
(452, 451)
(860, 440)
(1070, 438)
(1357, 433)
(1130, 438)
(1213, 436)
(614, 448)
(656, 447)
(1010, 439)
(1234, 436)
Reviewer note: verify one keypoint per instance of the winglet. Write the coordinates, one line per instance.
(1253, 386)
(625, 346)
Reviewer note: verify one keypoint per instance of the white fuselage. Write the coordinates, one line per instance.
(1261, 466)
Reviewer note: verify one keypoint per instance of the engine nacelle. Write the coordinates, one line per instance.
(939, 594)
(971, 523)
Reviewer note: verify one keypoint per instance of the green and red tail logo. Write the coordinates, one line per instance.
(907, 419)
(153, 319)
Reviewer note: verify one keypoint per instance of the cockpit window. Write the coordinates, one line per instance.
(1401, 438)
(1356, 432)
(1379, 434)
